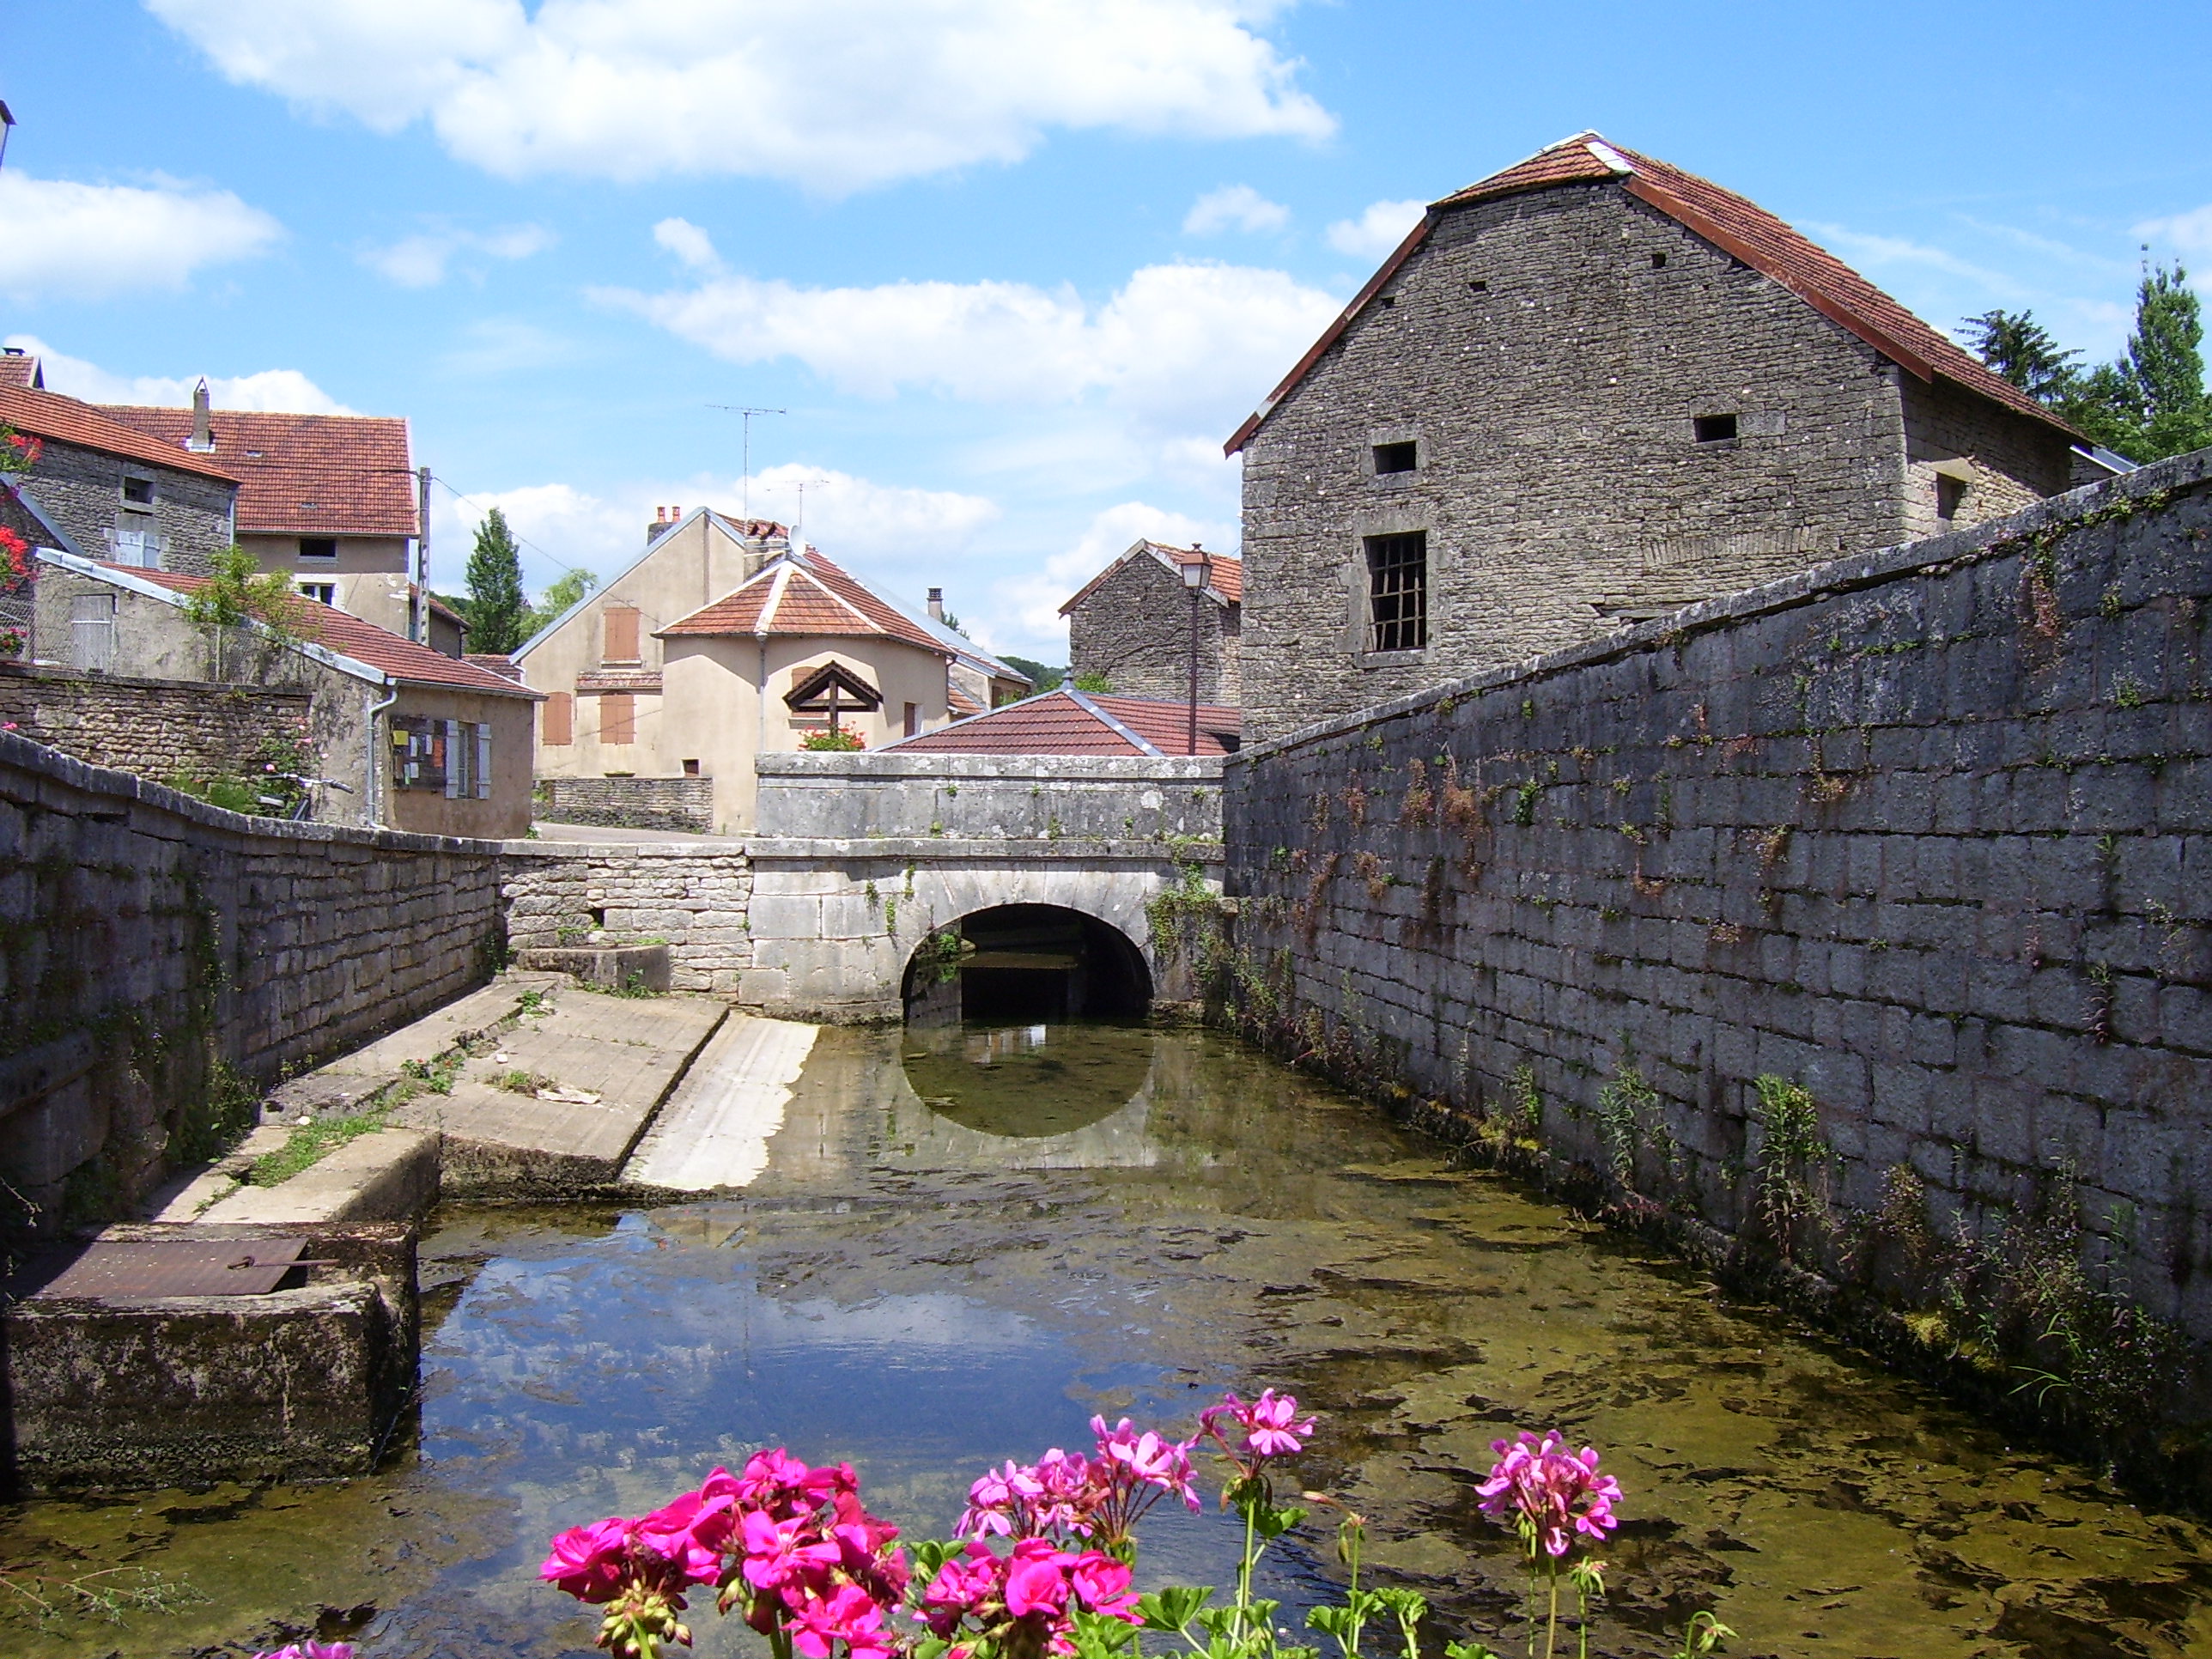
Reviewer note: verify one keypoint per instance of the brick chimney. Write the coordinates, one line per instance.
(201, 442)
(937, 604)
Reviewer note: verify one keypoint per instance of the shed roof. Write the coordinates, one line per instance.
(65, 420)
(1737, 226)
(312, 475)
(1065, 721)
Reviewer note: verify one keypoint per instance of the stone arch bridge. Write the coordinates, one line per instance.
(865, 862)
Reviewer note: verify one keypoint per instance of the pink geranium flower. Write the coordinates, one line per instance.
(1548, 1494)
(591, 1562)
(1253, 1432)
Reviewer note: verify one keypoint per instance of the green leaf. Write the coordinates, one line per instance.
(931, 1554)
(1272, 1524)
(1174, 1608)
(1471, 1650)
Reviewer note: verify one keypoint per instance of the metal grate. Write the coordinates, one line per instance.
(150, 1267)
(1397, 590)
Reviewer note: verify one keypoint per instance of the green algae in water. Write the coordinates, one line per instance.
(925, 1289)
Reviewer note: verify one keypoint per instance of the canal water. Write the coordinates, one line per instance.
(968, 1240)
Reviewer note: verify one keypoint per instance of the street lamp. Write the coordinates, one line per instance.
(1194, 576)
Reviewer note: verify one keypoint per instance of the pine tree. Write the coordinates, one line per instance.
(498, 614)
(2166, 361)
(2022, 349)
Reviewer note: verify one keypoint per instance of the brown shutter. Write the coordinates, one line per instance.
(620, 634)
(559, 718)
(914, 720)
(618, 716)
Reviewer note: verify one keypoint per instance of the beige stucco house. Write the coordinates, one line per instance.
(720, 643)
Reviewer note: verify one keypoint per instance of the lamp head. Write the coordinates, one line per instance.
(1195, 571)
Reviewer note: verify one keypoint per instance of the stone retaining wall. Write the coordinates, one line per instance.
(154, 728)
(1923, 831)
(160, 958)
(679, 804)
(695, 898)
(854, 796)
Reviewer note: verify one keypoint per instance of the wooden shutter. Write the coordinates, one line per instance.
(621, 626)
(483, 762)
(617, 717)
(560, 718)
(455, 761)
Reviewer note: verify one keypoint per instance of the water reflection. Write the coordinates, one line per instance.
(950, 1258)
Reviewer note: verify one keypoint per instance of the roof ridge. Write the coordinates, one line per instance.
(1082, 700)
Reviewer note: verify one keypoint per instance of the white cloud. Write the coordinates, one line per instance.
(1178, 344)
(1377, 231)
(420, 261)
(2190, 232)
(1234, 207)
(687, 243)
(833, 94)
(1877, 252)
(89, 241)
(1026, 608)
(285, 389)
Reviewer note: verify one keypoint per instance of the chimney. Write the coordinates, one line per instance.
(937, 604)
(203, 439)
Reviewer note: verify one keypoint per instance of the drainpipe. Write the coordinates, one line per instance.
(375, 802)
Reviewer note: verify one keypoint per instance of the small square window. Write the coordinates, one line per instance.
(320, 593)
(1715, 429)
(1398, 592)
(1658, 262)
(1396, 457)
(691, 769)
(1950, 493)
(1388, 301)
(319, 547)
(1478, 287)
(139, 491)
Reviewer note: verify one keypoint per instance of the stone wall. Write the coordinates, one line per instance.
(154, 728)
(1020, 797)
(694, 898)
(82, 491)
(1924, 832)
(682, 804)
(1133, 629)
(160, 957)
(1549, 374)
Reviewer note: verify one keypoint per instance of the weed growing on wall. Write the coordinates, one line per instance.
(1792, 1156)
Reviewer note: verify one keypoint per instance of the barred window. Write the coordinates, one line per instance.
(1398, 592)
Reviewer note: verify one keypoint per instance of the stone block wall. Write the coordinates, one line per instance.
(680, 804)
(1134, 628)
(154, 728)
(157, 954)
(694, 898)
(1927, 831)
(81, 490)
(988, 797)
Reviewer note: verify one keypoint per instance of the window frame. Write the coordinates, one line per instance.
(1386, 570)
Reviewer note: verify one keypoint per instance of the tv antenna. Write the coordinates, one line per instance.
(745, 478)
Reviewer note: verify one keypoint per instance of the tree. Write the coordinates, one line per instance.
(238, 593)
(564, 591)
(2022, 349)
(498, 615)
(2166, 364)
(1043, 676)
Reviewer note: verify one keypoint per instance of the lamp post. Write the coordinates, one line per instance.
(1195, 575)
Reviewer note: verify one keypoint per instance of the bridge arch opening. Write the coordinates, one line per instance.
(1026, 964)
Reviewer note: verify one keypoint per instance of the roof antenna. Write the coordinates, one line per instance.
(745, 478)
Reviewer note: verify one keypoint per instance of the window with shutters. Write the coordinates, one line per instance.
(620, 637)
(560, 718)
(617, 717)
(92, 631)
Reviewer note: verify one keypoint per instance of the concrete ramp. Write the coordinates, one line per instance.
(714, 1132)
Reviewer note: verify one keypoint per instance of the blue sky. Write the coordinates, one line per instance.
(1014, 267)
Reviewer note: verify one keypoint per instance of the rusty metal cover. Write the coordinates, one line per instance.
(112, 1269)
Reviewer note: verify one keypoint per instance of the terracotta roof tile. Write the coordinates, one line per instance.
(364, 641)
(961, 703)
(1062, 722)
(20, 368)
(48, 414)
(1740, 228)
(804, 594)
(309, 475)
(496, 662)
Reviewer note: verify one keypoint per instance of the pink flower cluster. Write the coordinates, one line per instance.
(310, 1650)
(1548, 1493)
(1023, 1602)
(1252, 1432)
(793, 1547)
(1068, 1496)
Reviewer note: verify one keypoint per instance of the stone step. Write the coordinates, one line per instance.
(715, 1131)
(387, 1174)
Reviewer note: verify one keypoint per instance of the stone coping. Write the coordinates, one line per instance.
(921, 849)
(864, 764)
(1859, 570)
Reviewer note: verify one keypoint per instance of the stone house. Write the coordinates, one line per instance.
(418, 740)
(329, 500)
(1589, 390)
(1130, 625)
(117, 494)
(718, 643)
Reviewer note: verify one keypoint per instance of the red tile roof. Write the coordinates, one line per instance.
(807, 595)
(961, 703)
(496, 662)
(20, 368)
(1738, 227)
(1069, 722)
(364, 641)
(307, 475)
(48, 415)
(1226, 578)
